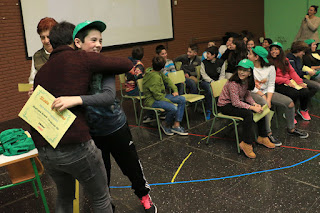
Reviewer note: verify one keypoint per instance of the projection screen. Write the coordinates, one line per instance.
(128, 21)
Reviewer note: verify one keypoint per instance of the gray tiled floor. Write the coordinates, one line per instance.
(211, 176)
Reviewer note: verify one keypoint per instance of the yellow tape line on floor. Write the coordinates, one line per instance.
(175, 175)
(76, 200)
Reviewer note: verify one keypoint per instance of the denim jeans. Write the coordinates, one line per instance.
(192, 86)
(174, 113)
(82, 161)
(206, 86)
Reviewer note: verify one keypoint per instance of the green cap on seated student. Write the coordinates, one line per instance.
(278, 44)
(246, 63)
(262, 52)
(97, 24)
(309, 41)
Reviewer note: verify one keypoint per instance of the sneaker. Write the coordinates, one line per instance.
(266, 142)
(208, 115)
(274, 140)
(166, 130)
(146, 202)
(304, 114)
(298, 133)
(294, 121)
(247, 149)
(179, 130)
(147, 119)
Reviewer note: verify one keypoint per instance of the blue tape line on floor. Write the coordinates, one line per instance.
(220, 178)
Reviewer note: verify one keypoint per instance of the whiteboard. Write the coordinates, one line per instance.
(128, 21)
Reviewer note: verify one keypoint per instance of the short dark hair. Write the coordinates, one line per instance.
(159, 48)
(137, 52)
(158, 63)
(213, 50)
(269, 40)
(194, 47)
(235, 77)
(83, 33)
(315, 7)
(298, 46)
(61, 34)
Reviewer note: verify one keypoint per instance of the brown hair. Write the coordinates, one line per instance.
(298, 46)
(45, 24)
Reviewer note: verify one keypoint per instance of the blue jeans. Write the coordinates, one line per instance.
(174, 113)
(82, 161)
(206, 86)
(192, 86)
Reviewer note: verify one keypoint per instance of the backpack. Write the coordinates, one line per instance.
(15, 142)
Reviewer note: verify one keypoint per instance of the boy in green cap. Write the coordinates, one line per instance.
(107, 121)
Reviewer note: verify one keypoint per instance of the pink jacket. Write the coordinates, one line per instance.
(285, 78)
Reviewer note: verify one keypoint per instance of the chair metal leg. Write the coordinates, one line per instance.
(214, 119)
(276, 117)
(204, 111)
(40, 185)
(237, 136)
(187, 116)
(135, 110)
(158, 124)
(35, 189)
(141, 112)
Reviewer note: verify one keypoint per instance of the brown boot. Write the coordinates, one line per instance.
(247, 149)
(266, 142)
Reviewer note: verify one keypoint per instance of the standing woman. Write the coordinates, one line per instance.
(309, 26)
(42, 55)
(235, 100)
(284, 74)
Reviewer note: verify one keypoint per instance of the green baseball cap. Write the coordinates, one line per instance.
(309, 41)
(278, 44)
(98, 24)
(246, 63)
(262, 52)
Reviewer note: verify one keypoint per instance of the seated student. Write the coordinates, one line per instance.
(68, 73)
(155, 96)
(136, 72)
(250, 44)
(298, 49)
(235, 100)
(106, 119)
(169, 67)
(263, 93)
(246, 36)
(266, 43)
(204, 54)
(210, 71)
(238, 51)
(309, 60)
(284, 76)
(226, 41)
(189, 63)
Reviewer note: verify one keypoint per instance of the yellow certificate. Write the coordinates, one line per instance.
(51, 124)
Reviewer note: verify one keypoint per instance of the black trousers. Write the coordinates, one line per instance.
(121, 146)
(302, 95)
(247, 134)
